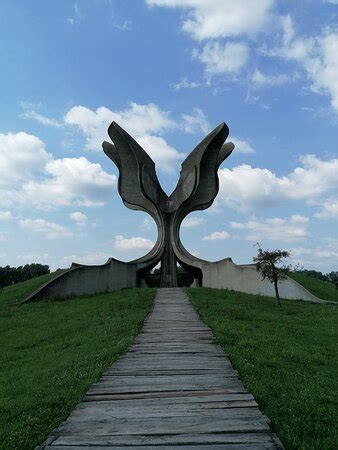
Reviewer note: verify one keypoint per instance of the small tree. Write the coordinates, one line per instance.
(271, 266)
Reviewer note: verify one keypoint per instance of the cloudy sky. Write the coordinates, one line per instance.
(168, 71)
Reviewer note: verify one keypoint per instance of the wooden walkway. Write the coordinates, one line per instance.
(174, 388)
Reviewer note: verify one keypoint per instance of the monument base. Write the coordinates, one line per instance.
(114, 275)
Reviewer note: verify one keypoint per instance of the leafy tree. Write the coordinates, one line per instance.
(271, 266)
(333, 277)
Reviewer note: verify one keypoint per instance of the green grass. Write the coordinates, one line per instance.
(20, 291)
(51, 352)
(322, 289)
(286, 358)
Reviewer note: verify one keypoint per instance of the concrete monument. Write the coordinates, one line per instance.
(140, 189)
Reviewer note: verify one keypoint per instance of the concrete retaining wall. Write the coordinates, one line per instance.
(87, 280)
(227, 275)
(115, 275)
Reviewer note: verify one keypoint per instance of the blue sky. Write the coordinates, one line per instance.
(168, 71)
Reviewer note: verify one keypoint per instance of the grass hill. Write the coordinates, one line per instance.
(286, 358)
(51, 352)
(322, 289)
(19, 291)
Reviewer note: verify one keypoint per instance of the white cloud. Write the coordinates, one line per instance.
(6, 215)
(30, 176)
(137, 120)
(165, 156)
(190, 222)
(148, 224)
(251, 99)
(316, 252)
(91, 258)
(71, 181)
(48, 230)
(275, 229)
(260, 79)
(21, 156)
(248, 188)
(319, 256)
(77, 17)
(245, 187)
(242, 146)
(33, 257)
(329, 209)
(216, 236)
(133, 243)
(287, 29)
(222, 58)
(186, 84)
(126, 25)
(316, 55)
(207, 19)
(323, 68)
(143, 122)
(79, 218)
(195, 122)
(44, 120)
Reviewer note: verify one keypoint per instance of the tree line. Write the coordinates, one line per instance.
(332, 277)
(10, 275)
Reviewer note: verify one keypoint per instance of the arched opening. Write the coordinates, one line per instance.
(152, 278)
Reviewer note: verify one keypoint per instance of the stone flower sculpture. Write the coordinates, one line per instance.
(140, 189)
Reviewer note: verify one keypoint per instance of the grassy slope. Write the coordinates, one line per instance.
(52, 352)
(322, 289)
(20, 291)
(285, 357)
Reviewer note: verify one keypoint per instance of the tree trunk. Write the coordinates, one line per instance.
(275, 282)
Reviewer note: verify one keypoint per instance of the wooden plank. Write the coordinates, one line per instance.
(185, 380)
(173, 388)
(99, 414)
(229, 393)
(168, 425)
(111, 389)
(178, 397)
(173, 359)
(170, 362)
(190, 439)
(258, 446)
(161, 372)
(146, 406)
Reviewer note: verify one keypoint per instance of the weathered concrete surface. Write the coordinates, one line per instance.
(87, 280)
(115, 275)
(225, 274)
(173, 389)
(245, 278)
(140, 189)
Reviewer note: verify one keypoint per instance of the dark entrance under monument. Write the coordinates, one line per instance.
(184, 278)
